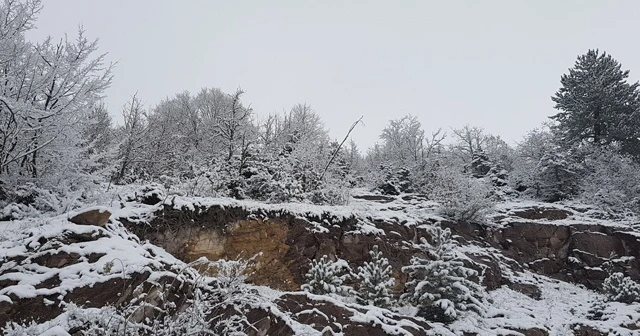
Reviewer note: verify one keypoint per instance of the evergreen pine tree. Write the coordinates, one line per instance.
(597, 103)
(619, 288)
(556, 178)
(375, 280)
(439, 286)
(480, 164)
(324, 278)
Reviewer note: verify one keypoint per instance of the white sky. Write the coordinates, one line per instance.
(492, 64)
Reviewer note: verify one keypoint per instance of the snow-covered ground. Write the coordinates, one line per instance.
(113, 252)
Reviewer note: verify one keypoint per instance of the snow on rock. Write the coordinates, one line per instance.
(523, 257)
(97, 216)
(45, 264)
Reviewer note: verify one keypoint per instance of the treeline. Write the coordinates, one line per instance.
(57, 137)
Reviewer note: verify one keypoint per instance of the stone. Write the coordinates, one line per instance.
(597, 244)
(96, 217)
(529, 290)
(543, 213)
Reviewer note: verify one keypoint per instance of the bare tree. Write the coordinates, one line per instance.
(232, 126)
(134, 131)
(404, 140)
(45, 89)
(470, 140)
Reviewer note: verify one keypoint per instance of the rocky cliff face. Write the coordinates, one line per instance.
(535, 238)
(559, 242)
(110, 263)
(538, 239)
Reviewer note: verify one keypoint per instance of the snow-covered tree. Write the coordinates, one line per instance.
(439, 283)
(461, 197)
(556, 177)
(45, 90)
(597, 103)
(546, 168)
(618, 287)
(98, 138)
(403, 140)
(326, 277)
(469, 140)
(232, 125)
(610, 180)
(375, 280)
(132, 135)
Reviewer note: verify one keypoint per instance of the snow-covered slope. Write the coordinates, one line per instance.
(49, 266)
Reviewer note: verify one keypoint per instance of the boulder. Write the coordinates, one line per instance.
(96, 217)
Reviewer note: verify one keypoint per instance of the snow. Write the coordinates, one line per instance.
(55, 331)
(121, 254)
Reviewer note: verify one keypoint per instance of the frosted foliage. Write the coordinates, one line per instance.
(324, 278)
(439, 284)
(375, 280)
(46, 90)
(403, 140)
(461, 198)
(619, 288)
(544, 169)
(611, 182)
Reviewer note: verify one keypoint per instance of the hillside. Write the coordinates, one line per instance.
(541, 265)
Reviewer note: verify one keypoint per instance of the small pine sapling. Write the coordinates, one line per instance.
(324, 277)
(439, 285)
(375, 280)
(619, 288)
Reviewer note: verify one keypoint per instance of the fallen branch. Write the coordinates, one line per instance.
(333, 157)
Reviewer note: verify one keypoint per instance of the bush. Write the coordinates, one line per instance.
(619, 288)
(394, 181)
(439, 285)
(324, 277)
(611, 181)
(375, 280)
(461, 198)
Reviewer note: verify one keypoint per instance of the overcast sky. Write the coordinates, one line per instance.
(492, 64)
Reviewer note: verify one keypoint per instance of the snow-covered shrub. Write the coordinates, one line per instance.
(393, 181)
(480, 164)
(439, 285)
(619, 288)
(277, 186)
(230, 276)
(611, 181)
(326, 277)
(597, 310)
(334, 192)
(461, 198)
(375, 280)
(29, 200)
(151, 194)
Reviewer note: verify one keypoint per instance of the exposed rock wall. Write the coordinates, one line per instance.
(578, 253)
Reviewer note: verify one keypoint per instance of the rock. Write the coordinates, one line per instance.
(533, 332)
(97, 217)
(325, 315)
(529, 290)
(597, 244)
(488, 267)
(289, 242)
(583, 330)
(542, 213)
(527, 242)
(376, 198)
(286, 242)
